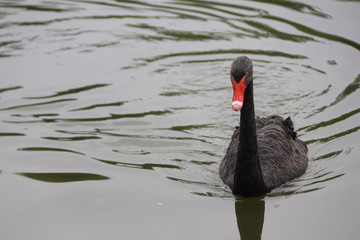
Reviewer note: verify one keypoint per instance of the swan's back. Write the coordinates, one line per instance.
(282, 156)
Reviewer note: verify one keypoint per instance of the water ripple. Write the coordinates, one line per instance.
(111, 117)
(11, 134)
(71, 91)
(64, 177)
(44, 7)
(334, 136)
(346, 92)
(217, 52)
(38, 104)
(77, 138)
(315, 32)
(144, 166)
(114, 104)
(331, 121)
(47, 149)
(10, 89)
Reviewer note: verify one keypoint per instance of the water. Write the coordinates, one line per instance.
(116, 114)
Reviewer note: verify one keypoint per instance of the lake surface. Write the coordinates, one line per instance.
(115, 115)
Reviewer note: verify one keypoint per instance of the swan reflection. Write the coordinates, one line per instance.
(250, 217)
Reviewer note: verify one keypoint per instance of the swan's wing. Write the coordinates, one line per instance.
(227, 165)
(282, 156)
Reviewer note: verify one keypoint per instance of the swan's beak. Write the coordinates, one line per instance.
(238, 93)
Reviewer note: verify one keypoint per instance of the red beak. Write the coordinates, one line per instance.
(238, 94)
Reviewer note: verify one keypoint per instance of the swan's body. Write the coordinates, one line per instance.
(282, 157)
(264, 153)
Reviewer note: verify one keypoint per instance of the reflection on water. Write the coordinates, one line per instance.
(145, 166)
(348, 90)
(63, 177)
(71, 91)
(95, 90)
(37, 149)
(250, 217)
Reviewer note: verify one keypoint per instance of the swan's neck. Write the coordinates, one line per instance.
(248, 179)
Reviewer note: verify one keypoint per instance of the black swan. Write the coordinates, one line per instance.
(264, 153)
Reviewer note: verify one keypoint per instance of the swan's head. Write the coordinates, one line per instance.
(241, 76)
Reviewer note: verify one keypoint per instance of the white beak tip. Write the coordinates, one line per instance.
(236, 105)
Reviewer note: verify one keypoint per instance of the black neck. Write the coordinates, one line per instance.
(248, 179)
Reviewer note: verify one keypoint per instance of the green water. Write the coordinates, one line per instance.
(115, 115)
